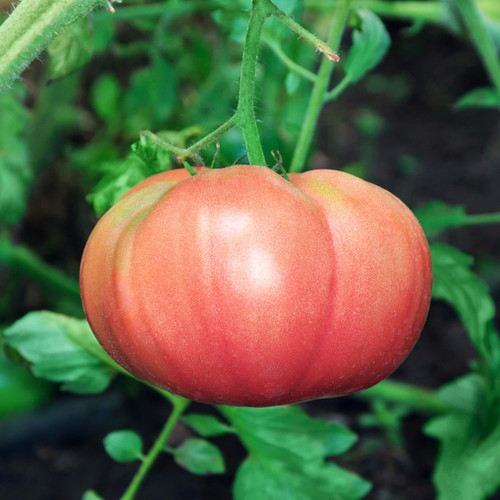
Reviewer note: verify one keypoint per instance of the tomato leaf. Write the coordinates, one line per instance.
(200, 457)
(123, 446)
(437, 217)
(61, 349)
(207, 425)
(151, 97)
(469, 435)
(469, 453)
(71, 50)
(275, 479)
(287, 455)
(370, 44)
(455, 283)
(120, 176)
(15, 170)
(91, 495)
(482, 97)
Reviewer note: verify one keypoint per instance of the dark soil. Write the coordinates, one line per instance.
(57, 453)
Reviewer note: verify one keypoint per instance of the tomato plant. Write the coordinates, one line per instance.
(244, 256)
(236, 286)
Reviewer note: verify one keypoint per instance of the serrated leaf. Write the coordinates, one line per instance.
(370, 44)
(207, 425)
(482, 97)
(72, 49)
(123, 446)
(437, 216)
(287, 456)
(469, 453)
(61, 349)
(275, 480)
(15, 170)
(455, 283)
(200, 457)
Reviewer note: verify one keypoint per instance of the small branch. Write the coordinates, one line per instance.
(423, 400)
(337, 90)
(180, 406)
(316, 100)
(23, 261)
(164, 144)
(302, 32)
(481, 37)
(213, 136)
(473, 220)
(308, 75)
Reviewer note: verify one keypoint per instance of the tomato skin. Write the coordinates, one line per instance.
(237, 287)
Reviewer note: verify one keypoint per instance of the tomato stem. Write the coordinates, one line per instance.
(180, 405)
(317, 99)
(303, 33)
(245, 112)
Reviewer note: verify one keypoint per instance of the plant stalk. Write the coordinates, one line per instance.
(31, 27)
(180, 405)
(245, 112)
(423, 400)
(316, 101)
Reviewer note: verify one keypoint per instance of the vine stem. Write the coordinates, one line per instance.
(481, 37)
(316, 100)
(417, 398)
(303, 33)
(31, 27)
(245, 112)
(180, 405)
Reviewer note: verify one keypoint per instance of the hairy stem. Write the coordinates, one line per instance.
(316, 100)
(303, 33)
(180, 405)
(245, 113)
(31, 27)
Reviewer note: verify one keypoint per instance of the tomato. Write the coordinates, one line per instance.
(237, 287)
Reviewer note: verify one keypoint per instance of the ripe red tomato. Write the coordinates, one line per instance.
(238, 287)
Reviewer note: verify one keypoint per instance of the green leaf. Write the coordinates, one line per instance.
(437, 216)
(61, 349)
(200, 457)
(19, 390)
(105, 96)
(287, 455)
(455, 283)
(15, 170)
(70, 50)
(151, 97)
(369, 46)
(482, 97)
(275, 480)
(91, 495)
(469, 453)
(123, 446)
(207, 425)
